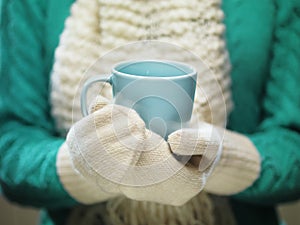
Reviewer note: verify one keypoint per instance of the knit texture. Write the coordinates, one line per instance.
(119, 212)
(238, 167)
(96, 27)
(279, 131)
(28, 145)
(260, 35)
(83, 36)
(155, 166)
(239, 163)
(77, 186)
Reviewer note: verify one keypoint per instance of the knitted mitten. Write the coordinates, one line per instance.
(76, 185)
(112, 148)
(239, 163)
(97, 26)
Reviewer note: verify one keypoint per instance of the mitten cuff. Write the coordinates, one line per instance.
(238, 168)
(77, 186)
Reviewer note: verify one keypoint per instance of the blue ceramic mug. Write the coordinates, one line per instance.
(161, 92)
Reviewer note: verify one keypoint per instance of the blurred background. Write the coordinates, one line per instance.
(15, 215)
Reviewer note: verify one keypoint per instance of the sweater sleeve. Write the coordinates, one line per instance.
(28, 145)
(278, 139)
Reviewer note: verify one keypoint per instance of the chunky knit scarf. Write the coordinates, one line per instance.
(94, 28)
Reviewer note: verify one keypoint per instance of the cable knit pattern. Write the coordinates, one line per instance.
(259, 34)
(17, 34)
(96, 27)
(27, 145)
(286, 58)
(282, 124)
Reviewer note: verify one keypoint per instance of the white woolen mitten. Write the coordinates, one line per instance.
(236, 167)
(113, 149)
(76, 184)
(81, 189)
(81, 38)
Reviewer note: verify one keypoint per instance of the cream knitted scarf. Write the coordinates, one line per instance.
(97, 26)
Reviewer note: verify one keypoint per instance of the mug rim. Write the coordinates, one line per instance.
(192, 73)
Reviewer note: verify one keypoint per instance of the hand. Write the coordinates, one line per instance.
(75, 184)
(112, 148)
(236, 166)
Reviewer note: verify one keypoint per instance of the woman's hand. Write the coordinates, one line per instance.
(113, 149)
(237, 165)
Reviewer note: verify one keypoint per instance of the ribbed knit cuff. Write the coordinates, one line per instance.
(238, 168)
(77, 186)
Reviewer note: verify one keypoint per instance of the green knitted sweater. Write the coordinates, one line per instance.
(264, 43)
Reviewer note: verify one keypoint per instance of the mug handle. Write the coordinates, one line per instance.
(86, 86)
